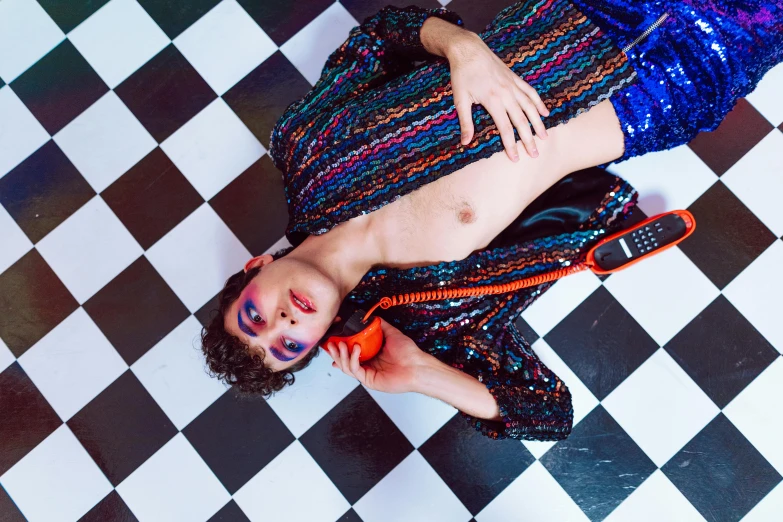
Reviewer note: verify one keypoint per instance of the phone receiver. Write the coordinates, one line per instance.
(355, 330)
(613, 253)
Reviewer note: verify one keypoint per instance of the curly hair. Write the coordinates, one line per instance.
(230, 359)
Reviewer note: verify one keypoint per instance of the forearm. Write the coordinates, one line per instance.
(440, 37)
(439, 380)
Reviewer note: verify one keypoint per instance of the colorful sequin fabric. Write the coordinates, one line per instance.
(692, 68)
(376, 126)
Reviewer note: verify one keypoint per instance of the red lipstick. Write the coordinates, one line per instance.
(302, 299)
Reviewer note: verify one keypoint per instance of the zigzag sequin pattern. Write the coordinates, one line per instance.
(477, 335)
(374, 124)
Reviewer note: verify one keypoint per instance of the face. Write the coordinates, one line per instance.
(266, 319)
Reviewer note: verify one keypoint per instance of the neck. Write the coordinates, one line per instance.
(345, 253)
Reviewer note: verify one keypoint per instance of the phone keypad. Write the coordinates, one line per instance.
(645, 239)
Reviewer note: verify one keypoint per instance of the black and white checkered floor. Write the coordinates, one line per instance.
(134, 179)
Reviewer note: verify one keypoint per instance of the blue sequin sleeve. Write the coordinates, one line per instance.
(382, 48)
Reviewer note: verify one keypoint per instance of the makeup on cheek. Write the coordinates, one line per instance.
(243, 326)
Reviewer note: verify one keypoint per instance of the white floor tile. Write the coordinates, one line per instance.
(655, 500)
(15, 242)
(56, 481)
(318, 389)
(27, 34)
(20, 133)
(6, 357)
(213, 148)
(418, 416)
(757, 292)
(267, 497)
(117, 39)
(758, 418)
(105, 141)
(766, 97)
(757, 180)
(197, 257)
(660, 407)
(560, 300)
(309, 49)
(173, 372)
(225, 45)
(89, 249)
(174, 485)
(72, 364)
(541, 495)
(663, 293)
(427, 497)
(667, 180)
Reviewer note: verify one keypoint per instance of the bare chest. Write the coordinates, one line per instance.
(452, 217)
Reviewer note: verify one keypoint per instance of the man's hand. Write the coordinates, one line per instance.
(393, 370)
(478, 75)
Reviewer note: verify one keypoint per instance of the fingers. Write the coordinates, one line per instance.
(532, 114)
(464, 112)
(498, 112)
(349, 364)
(521, 123)
(532, 94)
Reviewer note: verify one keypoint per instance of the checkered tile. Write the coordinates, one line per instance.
(133, 176)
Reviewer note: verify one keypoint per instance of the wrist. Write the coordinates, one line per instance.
(439, 36)
(424, 370)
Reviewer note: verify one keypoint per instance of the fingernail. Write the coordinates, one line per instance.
(534, 152)
(516, 158)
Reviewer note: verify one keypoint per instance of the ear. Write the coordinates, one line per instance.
(259, 261)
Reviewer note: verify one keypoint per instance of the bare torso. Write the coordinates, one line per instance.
(458, 214)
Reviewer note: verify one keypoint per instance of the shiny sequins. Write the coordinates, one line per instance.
(692, 68)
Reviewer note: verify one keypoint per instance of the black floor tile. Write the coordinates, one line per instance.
(165, 93)
(721, 351)
(122, 427)
(598, 465)
(740, 131)
(728, 236)
(136, 310)
(350, 516)
(279, 20)
(70, 14)
(356, 455)
(601, 342)
(237, 436)
(261, 97)
(208, 311)
(111, 508)
(8, 510)
(174, 16)
(27, 418)
(43, 190)
(59, 87)
(151, 198)
(254, 206)
(721, 473)
(476, 468)
(229, 513)
(527, 332)
(33, 300)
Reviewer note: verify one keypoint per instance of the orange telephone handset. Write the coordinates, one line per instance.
(611, 254)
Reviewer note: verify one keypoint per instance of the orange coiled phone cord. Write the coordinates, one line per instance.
(589, 262)
(446, 293)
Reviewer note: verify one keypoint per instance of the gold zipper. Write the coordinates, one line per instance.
(646, 32)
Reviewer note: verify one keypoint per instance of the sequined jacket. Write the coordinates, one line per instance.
(380, 122)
